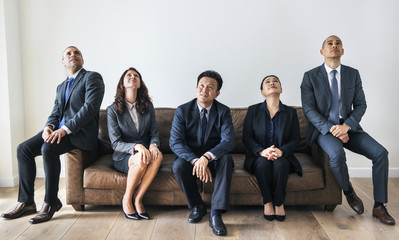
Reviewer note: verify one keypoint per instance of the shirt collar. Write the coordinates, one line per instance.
(208, 109)
(76, 74)
(281, 107)
(328, 69)
(130, 105)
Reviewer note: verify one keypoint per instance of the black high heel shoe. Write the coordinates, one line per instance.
(280, 218)
(269, 217)
(144, 215)
(133, 216)
(141, 215)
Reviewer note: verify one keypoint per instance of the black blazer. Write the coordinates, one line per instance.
(81, 108)
(254, 132)
(124, 135)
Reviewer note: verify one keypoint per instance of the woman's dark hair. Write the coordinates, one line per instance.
(143, 100)
(261, 84)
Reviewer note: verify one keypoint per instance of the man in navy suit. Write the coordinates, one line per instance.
(72, 124)
(334, 103)
(202, 135)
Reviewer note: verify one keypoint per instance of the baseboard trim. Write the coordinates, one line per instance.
(9, 181)
(40, 173)
(364, 172)
(13, 181)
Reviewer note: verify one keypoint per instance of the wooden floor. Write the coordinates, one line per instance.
(108, 222)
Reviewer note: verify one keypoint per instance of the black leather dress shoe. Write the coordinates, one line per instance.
(20, 210)
(269, 217)
(217, 225)
(47, 212)
(355, 202)
(196, 215)
(144, 215)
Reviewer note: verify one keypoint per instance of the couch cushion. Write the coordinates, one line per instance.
(102, 175)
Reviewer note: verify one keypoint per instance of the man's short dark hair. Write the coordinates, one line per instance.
(261, 84)
(212, 74)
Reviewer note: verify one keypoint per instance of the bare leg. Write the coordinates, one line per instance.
(269, 210)
(136, 170)
(149, 175)
(280, 210)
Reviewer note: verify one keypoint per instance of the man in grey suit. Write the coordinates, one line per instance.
(72, 124)
(334, 103)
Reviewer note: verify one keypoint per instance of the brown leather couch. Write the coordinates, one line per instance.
(92, 180)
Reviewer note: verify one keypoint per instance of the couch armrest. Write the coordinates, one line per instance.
(75, 163)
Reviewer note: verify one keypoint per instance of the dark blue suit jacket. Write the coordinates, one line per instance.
(185, 139)
(254, 135)
(81, 108)
(124, 135)
(316, 100)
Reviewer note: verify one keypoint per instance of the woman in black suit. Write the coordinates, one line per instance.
(271, 135)
(134, 136)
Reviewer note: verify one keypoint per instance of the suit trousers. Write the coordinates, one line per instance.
(221, 171)
(272, 178)
(364, 144)
(26, 153)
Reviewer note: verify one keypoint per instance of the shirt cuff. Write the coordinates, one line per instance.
(213, 157)
(193, 161)
(66, 129)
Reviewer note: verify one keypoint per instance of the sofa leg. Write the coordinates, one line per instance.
(78, 207)
(330, 208)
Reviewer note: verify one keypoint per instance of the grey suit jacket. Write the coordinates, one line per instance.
(124, 135)
(316, 100)
(80, 109)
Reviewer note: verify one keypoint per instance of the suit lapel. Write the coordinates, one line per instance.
(211, 121)
(260, 121)
(282, 119)
(129, 121)
(63, 89)
(196, 118)
(142, 123)
(323, 75)
(344, 86)
(74, 84)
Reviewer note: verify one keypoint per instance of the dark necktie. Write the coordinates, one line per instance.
(204, 123)
(70, 81)
(334, 111)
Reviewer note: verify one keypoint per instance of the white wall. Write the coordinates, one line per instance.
(12, 120)
(171, 42)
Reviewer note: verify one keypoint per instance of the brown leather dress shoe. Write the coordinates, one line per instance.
(47, 212)
(355, 202)
(22, 209)
(382, 213)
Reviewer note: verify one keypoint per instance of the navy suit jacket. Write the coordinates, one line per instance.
(185, 134)
(316, 100)
(124, 135)
(80, 109)
(254, 135)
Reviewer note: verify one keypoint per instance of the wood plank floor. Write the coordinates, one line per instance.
(108, 222)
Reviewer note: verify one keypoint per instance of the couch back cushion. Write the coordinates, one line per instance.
(164, 117)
